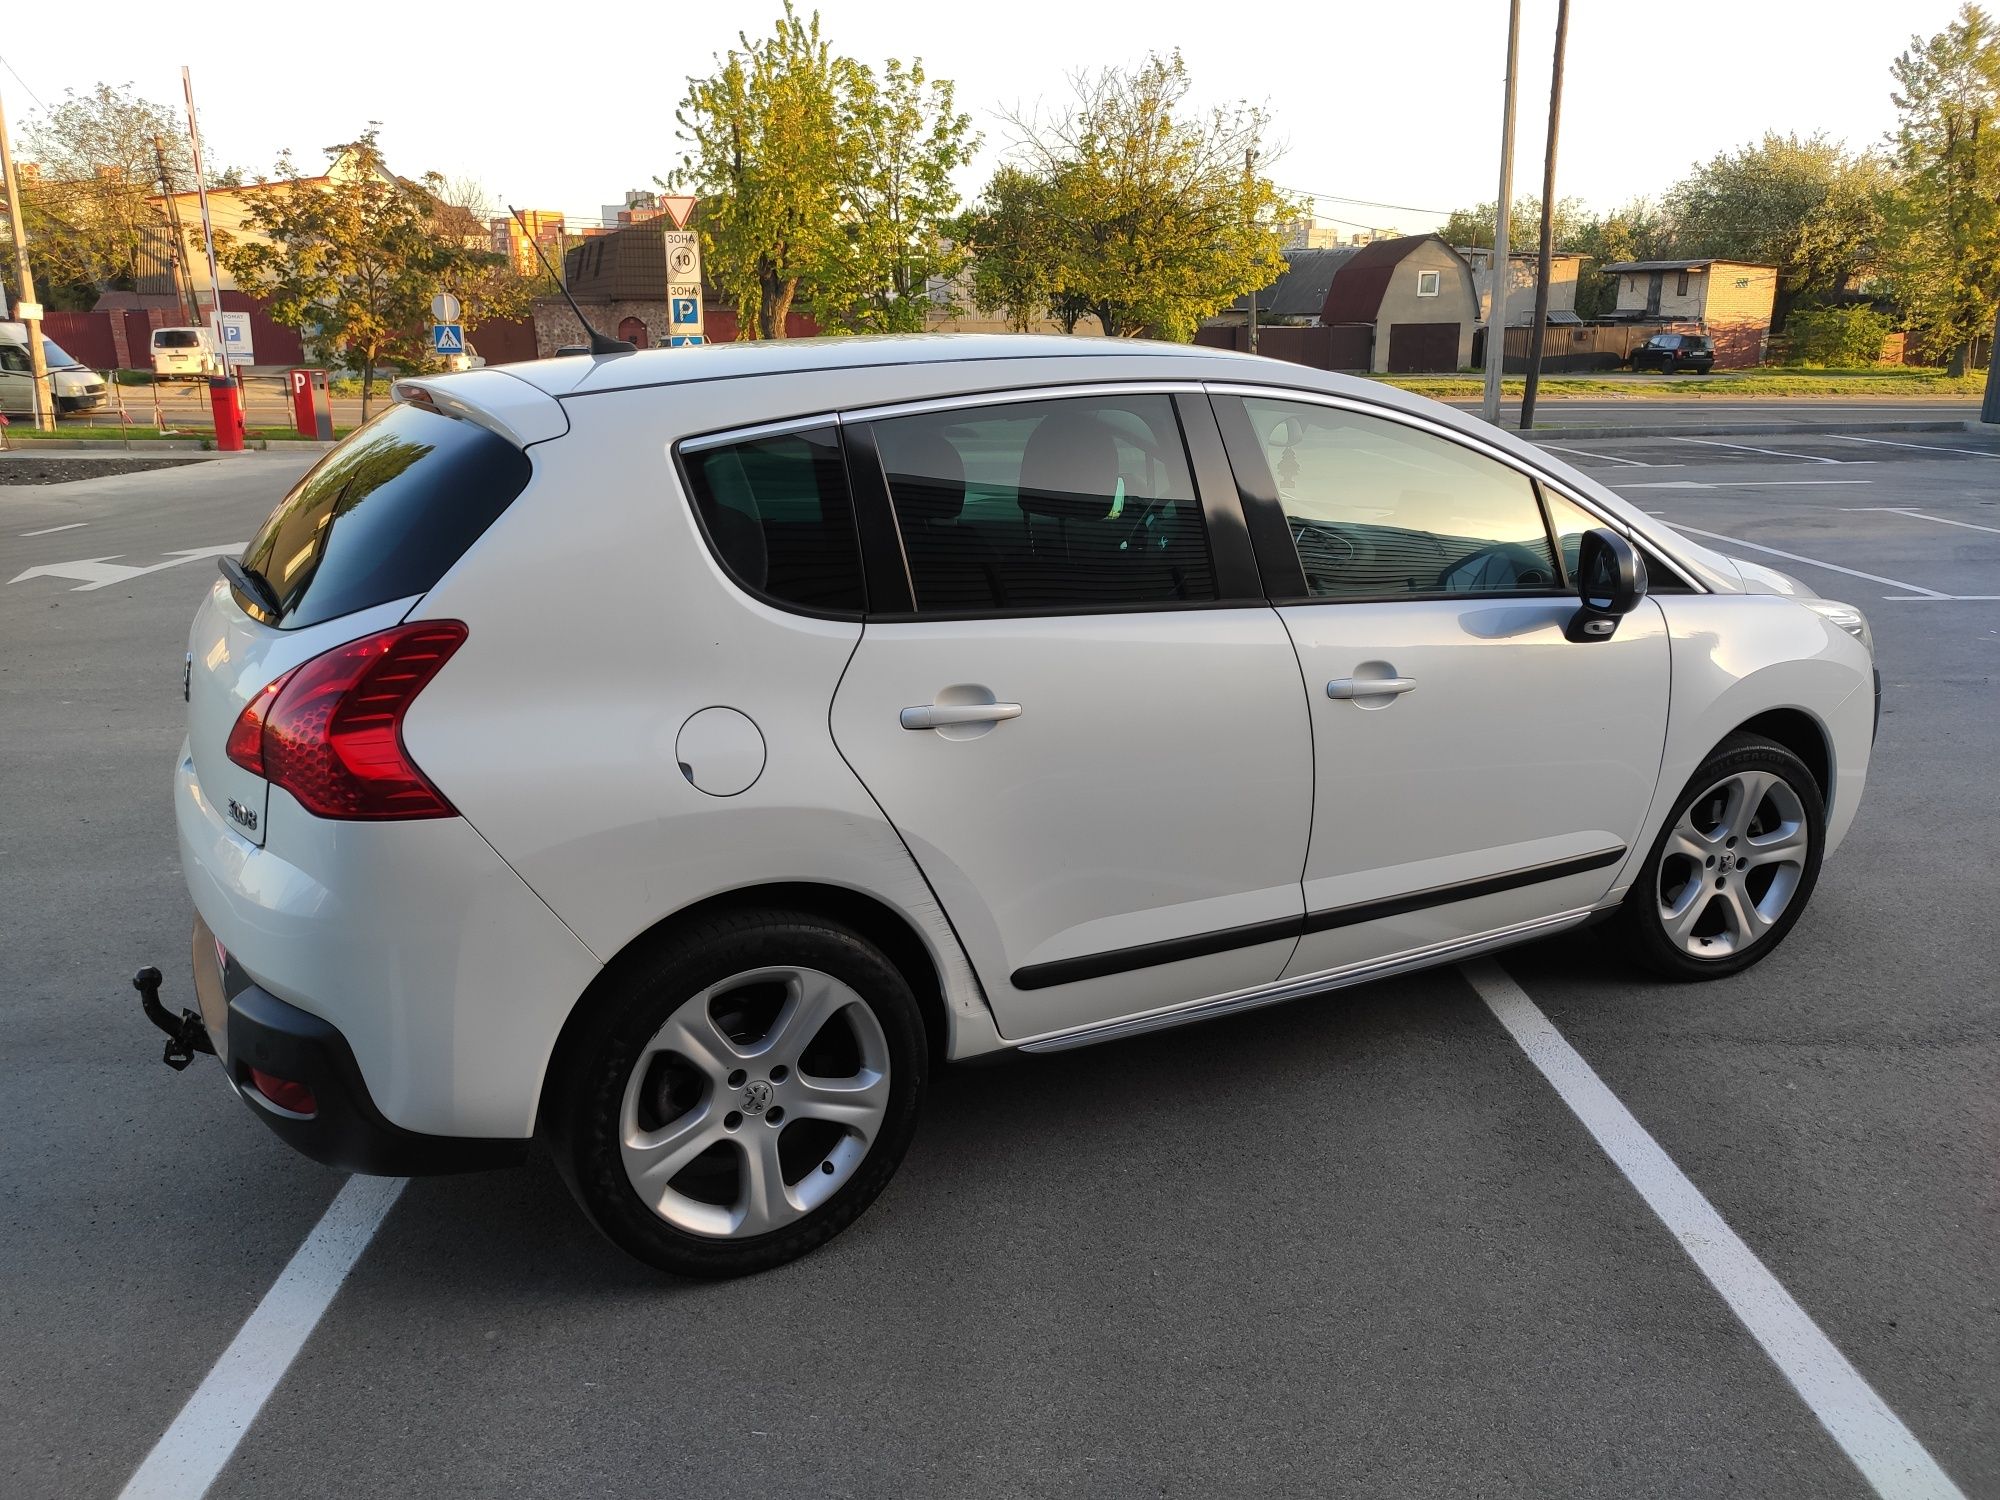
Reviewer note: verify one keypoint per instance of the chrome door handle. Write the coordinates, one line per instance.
(937, 715)
(1347, 689)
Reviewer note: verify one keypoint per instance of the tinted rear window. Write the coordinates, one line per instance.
(384, 515)
(176, 338)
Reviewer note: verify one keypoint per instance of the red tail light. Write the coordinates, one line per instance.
(286, 1093)
(330, 731)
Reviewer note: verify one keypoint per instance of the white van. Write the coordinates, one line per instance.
(184, 354)
(75, 387)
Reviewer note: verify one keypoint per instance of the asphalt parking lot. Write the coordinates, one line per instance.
(1357, 1246)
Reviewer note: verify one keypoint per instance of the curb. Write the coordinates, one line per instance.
(1750, 429)
(158, 445)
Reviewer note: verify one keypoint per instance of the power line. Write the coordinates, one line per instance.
(24, 84)
(1366, 202)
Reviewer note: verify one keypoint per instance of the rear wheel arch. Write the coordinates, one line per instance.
(873, 919)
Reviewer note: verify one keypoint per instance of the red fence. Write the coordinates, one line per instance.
(122, 338)
(1339, 346)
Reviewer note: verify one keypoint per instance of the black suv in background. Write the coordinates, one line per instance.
(1669, 352)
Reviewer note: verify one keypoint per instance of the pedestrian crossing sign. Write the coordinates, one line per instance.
(448, 338)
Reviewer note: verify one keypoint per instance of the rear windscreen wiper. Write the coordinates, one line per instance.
(253, 583)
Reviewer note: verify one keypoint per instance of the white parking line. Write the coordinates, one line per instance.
(1874, 1439)
(192, 1452)
(1769, 452)
(1920, 447)
(1917, 515)
(52, 530)
(1610, 458)
(1916, 589)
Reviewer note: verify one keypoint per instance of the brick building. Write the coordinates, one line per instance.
(1731, 300)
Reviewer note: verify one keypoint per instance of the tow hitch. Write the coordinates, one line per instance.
(186, 1035)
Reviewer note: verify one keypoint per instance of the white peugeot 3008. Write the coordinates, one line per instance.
(673, 756)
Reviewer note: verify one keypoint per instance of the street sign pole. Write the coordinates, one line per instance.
(684, 312)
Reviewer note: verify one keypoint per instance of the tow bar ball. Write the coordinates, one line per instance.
(186, 1035)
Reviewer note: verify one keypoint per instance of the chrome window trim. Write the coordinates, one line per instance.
(733, 435)
(1021, 395)
(1464, 440)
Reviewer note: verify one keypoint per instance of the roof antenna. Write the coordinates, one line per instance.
(599, 343)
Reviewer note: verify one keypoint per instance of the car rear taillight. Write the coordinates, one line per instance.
(286, 1093)
(330, 731)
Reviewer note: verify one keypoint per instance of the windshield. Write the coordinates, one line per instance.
(55, 356)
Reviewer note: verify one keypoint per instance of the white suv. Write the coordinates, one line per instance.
(674, 756)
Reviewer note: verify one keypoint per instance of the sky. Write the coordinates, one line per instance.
(1397, 107)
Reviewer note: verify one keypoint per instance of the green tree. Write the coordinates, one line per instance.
(900, 204)
(1941, 251)
(353, 261)
(1840, 337)
(1635, 232)
(1017, 242)
(773, 147)
(1157, 220)
(86, 198)
(1803, 204)
(1473, 227)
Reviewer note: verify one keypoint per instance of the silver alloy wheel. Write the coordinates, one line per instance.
(720, 1106)
(1732, 864)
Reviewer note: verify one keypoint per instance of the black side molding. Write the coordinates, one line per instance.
(1200, 945)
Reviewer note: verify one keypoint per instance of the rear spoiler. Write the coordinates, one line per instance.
(501, 403)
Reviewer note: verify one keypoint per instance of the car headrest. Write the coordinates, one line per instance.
(926, 475)
(1070, 467)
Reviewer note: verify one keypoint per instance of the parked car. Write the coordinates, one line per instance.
(185, 354)
(1670, 353)
(677, 756)
(72, 386)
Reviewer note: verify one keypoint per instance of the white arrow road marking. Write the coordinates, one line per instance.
(1733, 484)
(1917, 515)
(1917, 590)
(102, 572)
(1872, 1436)
(51, 530)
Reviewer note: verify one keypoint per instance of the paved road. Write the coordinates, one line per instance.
(1803, 411)
(1349, 1246)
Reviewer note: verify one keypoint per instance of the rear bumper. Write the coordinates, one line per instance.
(443, 979)
(345, 1129)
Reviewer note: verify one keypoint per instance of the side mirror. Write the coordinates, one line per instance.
(1610, 582)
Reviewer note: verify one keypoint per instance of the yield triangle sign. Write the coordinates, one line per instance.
(678, 209)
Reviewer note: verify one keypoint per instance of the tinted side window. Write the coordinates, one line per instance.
(777, 512)
(1072, 504)
(384, 515)
(1570, 521)
(1378, 509)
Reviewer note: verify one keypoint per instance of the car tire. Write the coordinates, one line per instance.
(645, 1083)
(1740, 905)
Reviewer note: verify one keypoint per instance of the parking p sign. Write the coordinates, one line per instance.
(233, 330)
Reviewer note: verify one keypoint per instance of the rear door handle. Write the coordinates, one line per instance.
(937, 715)
(1347, 689)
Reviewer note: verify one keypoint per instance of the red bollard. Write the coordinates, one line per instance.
(222, 400)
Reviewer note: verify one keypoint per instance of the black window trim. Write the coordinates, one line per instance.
(1238, 583)
(1275, 552)
(708, 442)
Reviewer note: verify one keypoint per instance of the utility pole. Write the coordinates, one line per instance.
(1249, 189)
(38, 364)
(1548, 223)
(1496, 314)
(208, 228)
(183, 281)
(1989, 409)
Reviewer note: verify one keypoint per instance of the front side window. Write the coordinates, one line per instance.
(778, 514)
(1381, 510)
(1427, 283)
(1074, 504)
(13, 357)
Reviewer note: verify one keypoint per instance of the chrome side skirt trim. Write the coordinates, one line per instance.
(1306, 984)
